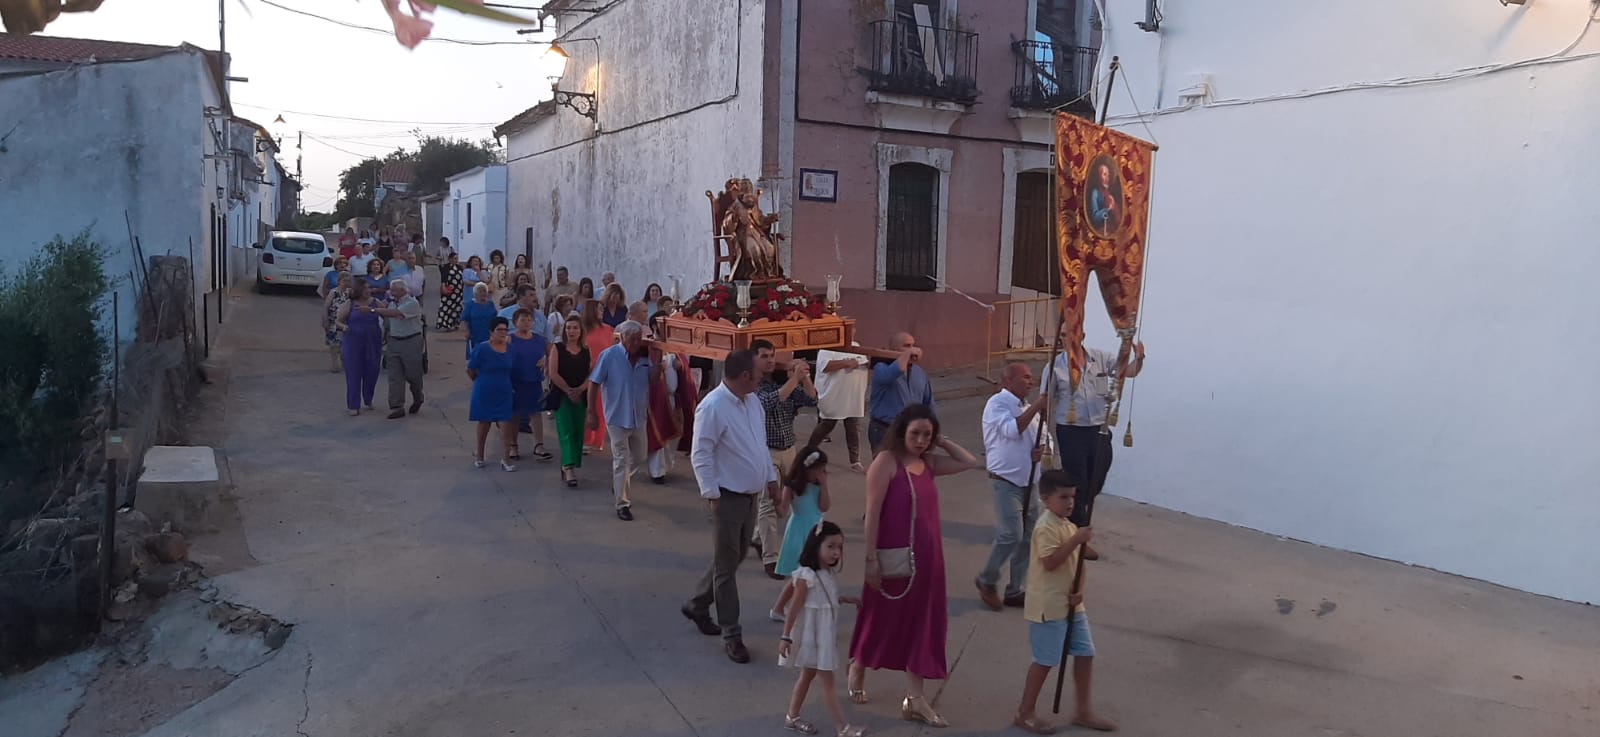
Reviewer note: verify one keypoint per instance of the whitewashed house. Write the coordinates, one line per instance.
(473, 213)
(1371, 306)
(108, 137)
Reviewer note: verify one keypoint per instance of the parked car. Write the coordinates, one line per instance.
(292, 258)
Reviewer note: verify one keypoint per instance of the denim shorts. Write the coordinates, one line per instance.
(1045, 638)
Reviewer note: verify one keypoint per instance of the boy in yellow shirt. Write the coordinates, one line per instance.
(1051, 580)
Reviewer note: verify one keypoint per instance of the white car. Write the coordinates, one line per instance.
(291, 258)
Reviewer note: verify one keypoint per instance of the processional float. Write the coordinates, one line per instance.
(749, 297)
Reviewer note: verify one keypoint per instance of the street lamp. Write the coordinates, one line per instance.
(586, 104)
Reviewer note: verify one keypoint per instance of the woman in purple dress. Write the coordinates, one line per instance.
(903, 618)
(362, 347)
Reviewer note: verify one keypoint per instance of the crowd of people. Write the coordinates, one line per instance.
(591, 366)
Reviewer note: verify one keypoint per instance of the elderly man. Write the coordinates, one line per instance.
(1011, 426)
(896, 385)
(732, 468)
(779, 403)
(415, 277)
(404, 349)
(606, 280)
(1082, 436)
(621, 381)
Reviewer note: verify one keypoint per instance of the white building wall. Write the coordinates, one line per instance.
(101, 143)
(680, 87)
(484, 189)
(1371, 315)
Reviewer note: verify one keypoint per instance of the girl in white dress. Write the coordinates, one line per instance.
(810, 633)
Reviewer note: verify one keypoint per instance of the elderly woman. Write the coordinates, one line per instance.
(613, 306)
(331, 302)
(478, 316)
(557, 318)
(330, 280)
(903, 617)
(376, 278)
(489, 367)
(362, 346)
(450, 286)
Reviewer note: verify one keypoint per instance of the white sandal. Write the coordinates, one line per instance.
(797, 724)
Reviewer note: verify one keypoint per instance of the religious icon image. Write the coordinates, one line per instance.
(1102, 197)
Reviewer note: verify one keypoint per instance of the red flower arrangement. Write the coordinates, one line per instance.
(786, 301)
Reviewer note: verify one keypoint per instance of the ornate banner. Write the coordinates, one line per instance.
(1102, 216)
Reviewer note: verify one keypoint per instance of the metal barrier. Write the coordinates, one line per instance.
(1029, 331)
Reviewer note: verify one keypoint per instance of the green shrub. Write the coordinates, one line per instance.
(52, 363)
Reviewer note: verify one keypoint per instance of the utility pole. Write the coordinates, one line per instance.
(299, 178)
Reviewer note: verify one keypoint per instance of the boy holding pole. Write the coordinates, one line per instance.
(1054, 607)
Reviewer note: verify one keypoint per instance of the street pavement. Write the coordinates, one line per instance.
(433, 599)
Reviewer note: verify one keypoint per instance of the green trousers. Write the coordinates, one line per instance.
(570, 419)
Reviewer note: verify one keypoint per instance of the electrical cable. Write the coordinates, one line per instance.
(390, 31)
(362, 120)
(341, 150)
(1559, 57)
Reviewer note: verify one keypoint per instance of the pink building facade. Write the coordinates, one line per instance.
(905, 143)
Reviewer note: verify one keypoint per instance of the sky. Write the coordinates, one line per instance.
(317, 74)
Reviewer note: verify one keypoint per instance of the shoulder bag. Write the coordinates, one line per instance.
(898, 563)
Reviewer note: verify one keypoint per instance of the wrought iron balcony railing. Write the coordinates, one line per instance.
(1051, 76)
(913, 59)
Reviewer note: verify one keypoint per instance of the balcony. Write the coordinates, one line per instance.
(1051, 76)
(925, 61)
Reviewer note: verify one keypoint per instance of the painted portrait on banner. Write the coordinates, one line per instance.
(1103, 204)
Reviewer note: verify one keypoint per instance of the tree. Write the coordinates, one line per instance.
(439, 158)
(317, 222)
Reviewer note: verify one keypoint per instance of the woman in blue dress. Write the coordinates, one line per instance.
(528, 350)
(477, 315)
(489, 367)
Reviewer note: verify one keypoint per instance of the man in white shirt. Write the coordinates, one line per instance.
(841, 395)
(358, 262)
(1082, 435)
(404, 348)
(732, 468)
(1011, 448)
(416, 279)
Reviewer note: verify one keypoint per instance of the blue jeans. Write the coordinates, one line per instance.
(1011, 536)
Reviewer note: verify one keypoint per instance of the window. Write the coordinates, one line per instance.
(1035, 263)
(912, 237)
(527, 244)
(298, 245)
(469, 217)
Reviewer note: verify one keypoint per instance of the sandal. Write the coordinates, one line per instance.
(857, 691)
(513, 453)
(850, 730)
(571, 476)
(1033, 725)
(796, 724)
(917, 709)
(540, 453)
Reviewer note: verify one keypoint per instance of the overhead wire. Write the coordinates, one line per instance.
(362, 120)
(390, 31)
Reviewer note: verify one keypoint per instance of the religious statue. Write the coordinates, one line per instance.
(747, 231)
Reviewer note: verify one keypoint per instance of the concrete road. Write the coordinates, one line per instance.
(433, 599)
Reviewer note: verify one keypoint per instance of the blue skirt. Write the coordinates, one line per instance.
(527, 398)
(491, 399)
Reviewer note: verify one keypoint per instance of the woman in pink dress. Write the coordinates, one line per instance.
(903, 619)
